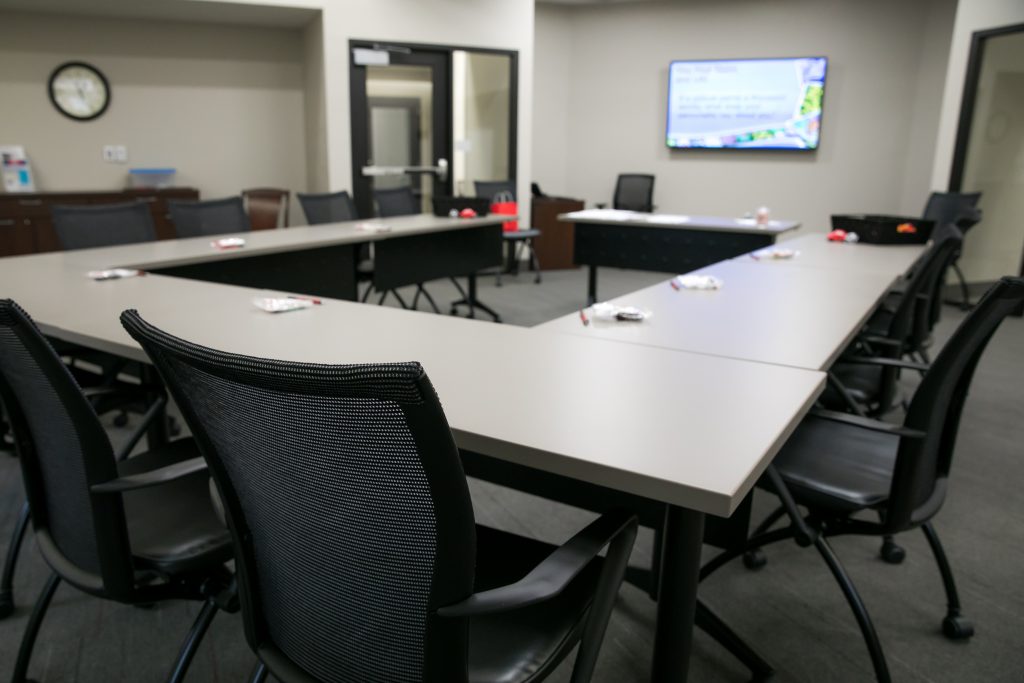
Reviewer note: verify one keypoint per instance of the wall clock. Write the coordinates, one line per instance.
(79, 91)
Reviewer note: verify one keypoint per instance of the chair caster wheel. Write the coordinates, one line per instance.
(892, 553)
(6, 604)
(754, 559)
(957, 628)
(121, 420)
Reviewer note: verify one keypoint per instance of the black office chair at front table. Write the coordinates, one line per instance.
(516, 240)
(332, 207)
(400, 201)
(837, 465)
(102, 225)
(213, 217)
(358, 558)
(138, 531)
(960, 209)
(634, 192)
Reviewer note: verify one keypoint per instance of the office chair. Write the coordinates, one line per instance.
(634, 192)
(515, 240)
(863, 380)
(337, 207)
(400, 201)
(397, 201)
(334, 207)
(137, 531)
(357, 553)
(266, 207)
(87, 227)
(959, 208)
(102, 225)
(213, 217)
(836, 465)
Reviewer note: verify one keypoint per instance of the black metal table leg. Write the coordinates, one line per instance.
(591, 285)
(683, 534)
(473, 303)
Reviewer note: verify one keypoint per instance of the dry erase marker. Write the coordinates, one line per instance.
(584, 318)
(316, 302)
(675, 285)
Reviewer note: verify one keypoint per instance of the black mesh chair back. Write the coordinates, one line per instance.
(102, 225)
(927, 308)
(923, 465)
(489, 189)
(634, 192)
(958, 208)
(214, 217)
(399, 201)
(347, 504)
(334, 207)
(63, 450)
(913, 302)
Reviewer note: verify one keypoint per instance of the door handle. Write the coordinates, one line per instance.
(374, 171)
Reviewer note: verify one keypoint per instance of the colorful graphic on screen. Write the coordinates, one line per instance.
(746, 103)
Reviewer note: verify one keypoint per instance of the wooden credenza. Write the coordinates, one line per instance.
(555, 245)
(26, 226)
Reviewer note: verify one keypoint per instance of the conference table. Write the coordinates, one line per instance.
(687, 431)
(666, 243)
(321, 260)
(800, 311)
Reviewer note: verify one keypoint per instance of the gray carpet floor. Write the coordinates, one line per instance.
(791, 610)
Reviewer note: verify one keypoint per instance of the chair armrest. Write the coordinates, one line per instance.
(141, 480)
(868, 423)
(888, 362)
(548, 579)
(881, 341)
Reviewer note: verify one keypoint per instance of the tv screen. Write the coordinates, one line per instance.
(746, 103)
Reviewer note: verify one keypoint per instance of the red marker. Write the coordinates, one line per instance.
(584, 318)
(675, 285)
(316, 302)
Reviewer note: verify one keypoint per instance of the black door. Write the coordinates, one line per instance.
(401, 122)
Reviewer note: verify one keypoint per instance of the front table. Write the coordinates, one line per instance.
(662, 243)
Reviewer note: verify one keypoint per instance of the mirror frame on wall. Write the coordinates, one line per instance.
(357, 102)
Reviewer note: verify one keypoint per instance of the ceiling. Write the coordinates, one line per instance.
(173, 10)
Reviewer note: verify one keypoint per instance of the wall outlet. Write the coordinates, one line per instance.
(115, 154)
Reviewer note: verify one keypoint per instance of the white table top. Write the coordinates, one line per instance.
(678, 427)
(768, 311)
(179, 252)
(680, 222)
(875, 260)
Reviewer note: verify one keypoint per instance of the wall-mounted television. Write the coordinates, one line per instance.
(746, 103)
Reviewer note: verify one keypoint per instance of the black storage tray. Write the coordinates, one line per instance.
(878, 229)
(444, 205)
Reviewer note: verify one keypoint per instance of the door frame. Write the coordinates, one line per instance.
(358, 105)
(970, 94)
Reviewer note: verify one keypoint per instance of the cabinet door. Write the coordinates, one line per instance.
(15, 236)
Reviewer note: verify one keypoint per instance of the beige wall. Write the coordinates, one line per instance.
(222, 104)
(317, 179)
(885, 67)
(552, 81)
(971, 16)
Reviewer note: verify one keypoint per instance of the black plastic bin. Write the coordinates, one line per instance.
(876, 229)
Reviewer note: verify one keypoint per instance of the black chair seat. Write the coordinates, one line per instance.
(836, 466)
(173, 527)
(861, 381)
(526, 233)
(525, 644)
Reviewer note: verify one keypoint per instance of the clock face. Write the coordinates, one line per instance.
(79, 91)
